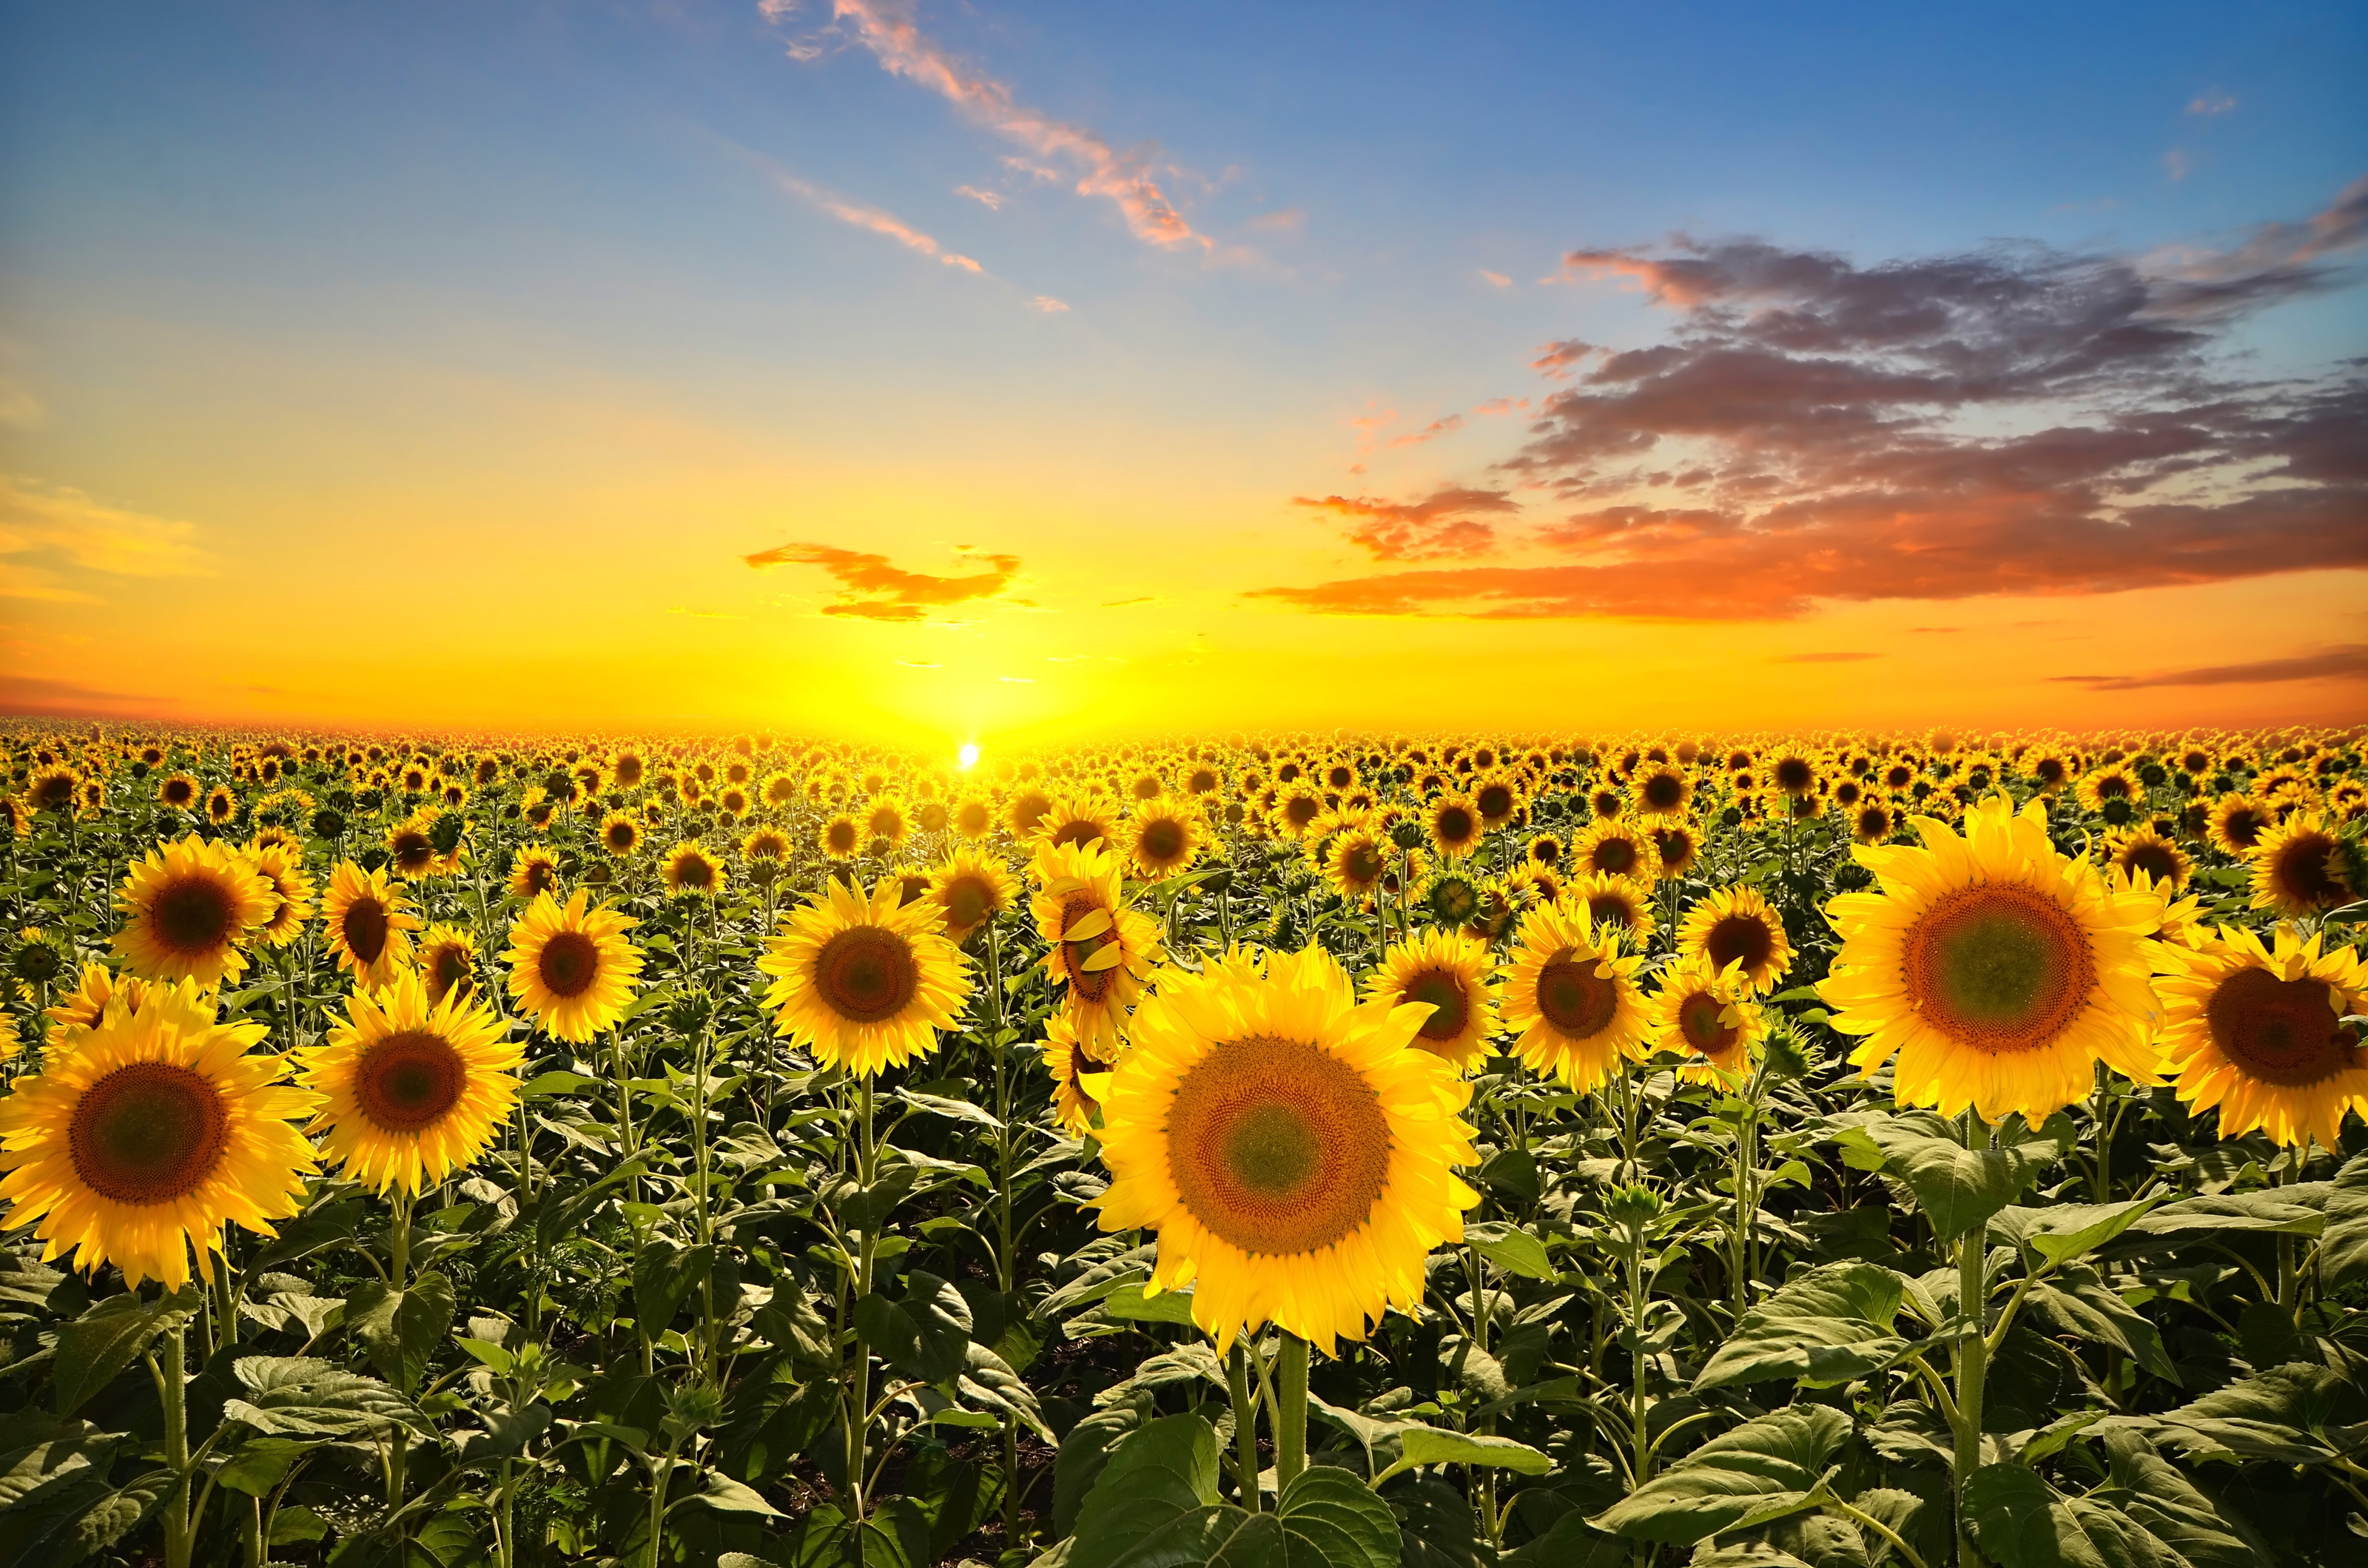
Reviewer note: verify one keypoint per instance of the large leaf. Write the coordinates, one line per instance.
(1084, 1452)
(1421, 1445)
(2078, 1301)
(1956, 1187)
(926, 1335)
(2151, 1490)
(2265, 1211)
(66, 1528)
(665, 1275)
(2343, 1250)
(1829, 1325)
(2070, 1229)
(988, 1381)
(2298, 1413)
(401, 1329)
(109, 1338)
(1510, 1248)
(1155, 1492)
(298, 1396)
(2020, 1521)
(1771, 1466)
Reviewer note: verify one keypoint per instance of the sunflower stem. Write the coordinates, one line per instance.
(1246, 1464)
(1291, 1412)
(172, 1383)
(859, 1372)
(1972, 1350)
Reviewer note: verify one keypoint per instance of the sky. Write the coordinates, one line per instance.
(998, 373)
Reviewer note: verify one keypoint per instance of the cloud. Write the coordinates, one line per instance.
(1496, 405)
(1048, 305)
(888, 29)
(1442, 524)
(1446, 426)
(2349, 662)
(1282, 221)
(2212, 105)
(1494, 279)
(872, 589)
(2178, 163)
(2017, 420)
(35, 697)
(52, 525)
(873, 218)
(991, 199)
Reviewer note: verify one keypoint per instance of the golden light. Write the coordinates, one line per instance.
(968, 757)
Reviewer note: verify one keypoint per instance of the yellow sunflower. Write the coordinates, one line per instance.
(1734, 925)
(187, 909)
(154, 1130)
(2294, 869)
(1677, 843)
(179, 791)
(2237, 824)
(1077, 820)
(689, 869)
(1355, 862)
(865, 983)
(1612, 846)
(1662, 791)
(2258, 1033)
(1453, 823)
(370, 923)
(1873, 822)
(1708, 1016)
(841, 837)
(1625, 902)
(1098, 948)
(973, 817)
(970, 889)
(1023, 812)
(1296, 1160)
(52, 789)
(411, 847)
(448, 961)
(1078, 1077)
(1447, 971)
(885, 820)
(536, 872)
(1163, 836)
(620, 834)
(1573, 996)
(282, 866)
(413, 1088)
(571, 971)
(1999, 970)
(2143, 850)
(1497, 799)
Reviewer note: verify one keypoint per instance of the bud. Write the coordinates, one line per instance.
(688, 1012)
(1406, 833)
(1633, 1207)
(446, 833)
(328, 823)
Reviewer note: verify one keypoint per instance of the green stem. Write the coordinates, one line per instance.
(172, 1382)
(859, 1405)
(1246, 1464)
(1291, 1412)
(1973, 1351)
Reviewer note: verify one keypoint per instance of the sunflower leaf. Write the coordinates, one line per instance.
(1773, 1465)
(112, 1334)
(401, 1329)
(1829, 1325)
(1956, 1187)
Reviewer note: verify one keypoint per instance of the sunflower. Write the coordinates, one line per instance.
(691, 870)
(1024, 811)
(415, 1088)
(2110, 791)
(970, 889)
(1573, 996)
(53, 789)
(619, 833)
(1079, 820)
(972, 817)
(1163, 836)
(2144, 850)
(865, 983)
(220, 804)
(1095, 945)
(1873, 822)
(1998, 969)
(1794, 773)
(535, 873)
(1677, 845)
(2237, 824)
(1708, 1016)
(187, 909)
(1449, 899)
(1662, 791)
(144, 1140)
(885, 819)
(1295, 1158)
(1077, 1076)
(2294, 869)
(841, 837)
(179, 792)
(1612, 846)
(2257, 1032)
(1448, 971)
(412, 850)
(1735, 924)
(767, 844)
(1455, 824)
(571, 967)
(283, 867)
(1622, 902)
(448, 961)
(1497, 799)
(1297, 810)
(1355, 862)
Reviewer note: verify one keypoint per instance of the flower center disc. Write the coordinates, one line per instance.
(193, 914)
(1610, 909)
(1744, 936)
(148, 1133)
(1456, 824)
(1163, 841)
(407, 1082)
(1698, 1021)
(411, 851)
(966, 903)
(569, 964)
(1090, 984)
(2299, 871)
(1083, 831)
(1576, 1000)
(2279, 1031)
(1616, 856)
(1445, 993)
(1363, 865)
(1662, 792)
(696, 872)
(1495, 800)
(866, 974)
(450, 968)
(365, 928)
(1999, 969)
(1276, 1147)
(2155, 859)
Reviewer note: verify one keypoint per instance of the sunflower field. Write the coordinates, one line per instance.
(1315, 1151)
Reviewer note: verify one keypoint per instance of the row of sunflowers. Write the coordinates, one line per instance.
(1453, 1151)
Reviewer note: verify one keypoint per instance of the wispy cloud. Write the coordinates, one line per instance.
(45, 527)
(2212, 105)
(1445, 523)
(873, 589)
(1048, 305)
(889, 29)
(991, 199)
(1494, 279)
(2349, 662)
(873, 218)
(1445, 426)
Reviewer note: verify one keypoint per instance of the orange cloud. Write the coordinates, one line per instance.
(2349, 662)
(1441, 524)
(876, 220)
(875, 590)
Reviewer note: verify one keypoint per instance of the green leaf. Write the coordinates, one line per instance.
(725, 1495)
(2268, 1210)
(1327, 1512)
(2020, 1521)
(107, 1520)
(1956, 1187)
(990, 1381)
(262, 1464)
(1158, 1485)
(1129, 1302)
(1829, 1325)
(2078, 1301)
(98, 1345)
(1421, 1445)
(2070, 1229)
(959, 1110)
(924, 1335)
(402, 1328)
(2153, 1492)
(299, 1396)
(2343, 1251)
(1510, 1248)
(1770, 1466)
(664, 1276)
(1084, 1453)
(2299, 1414)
